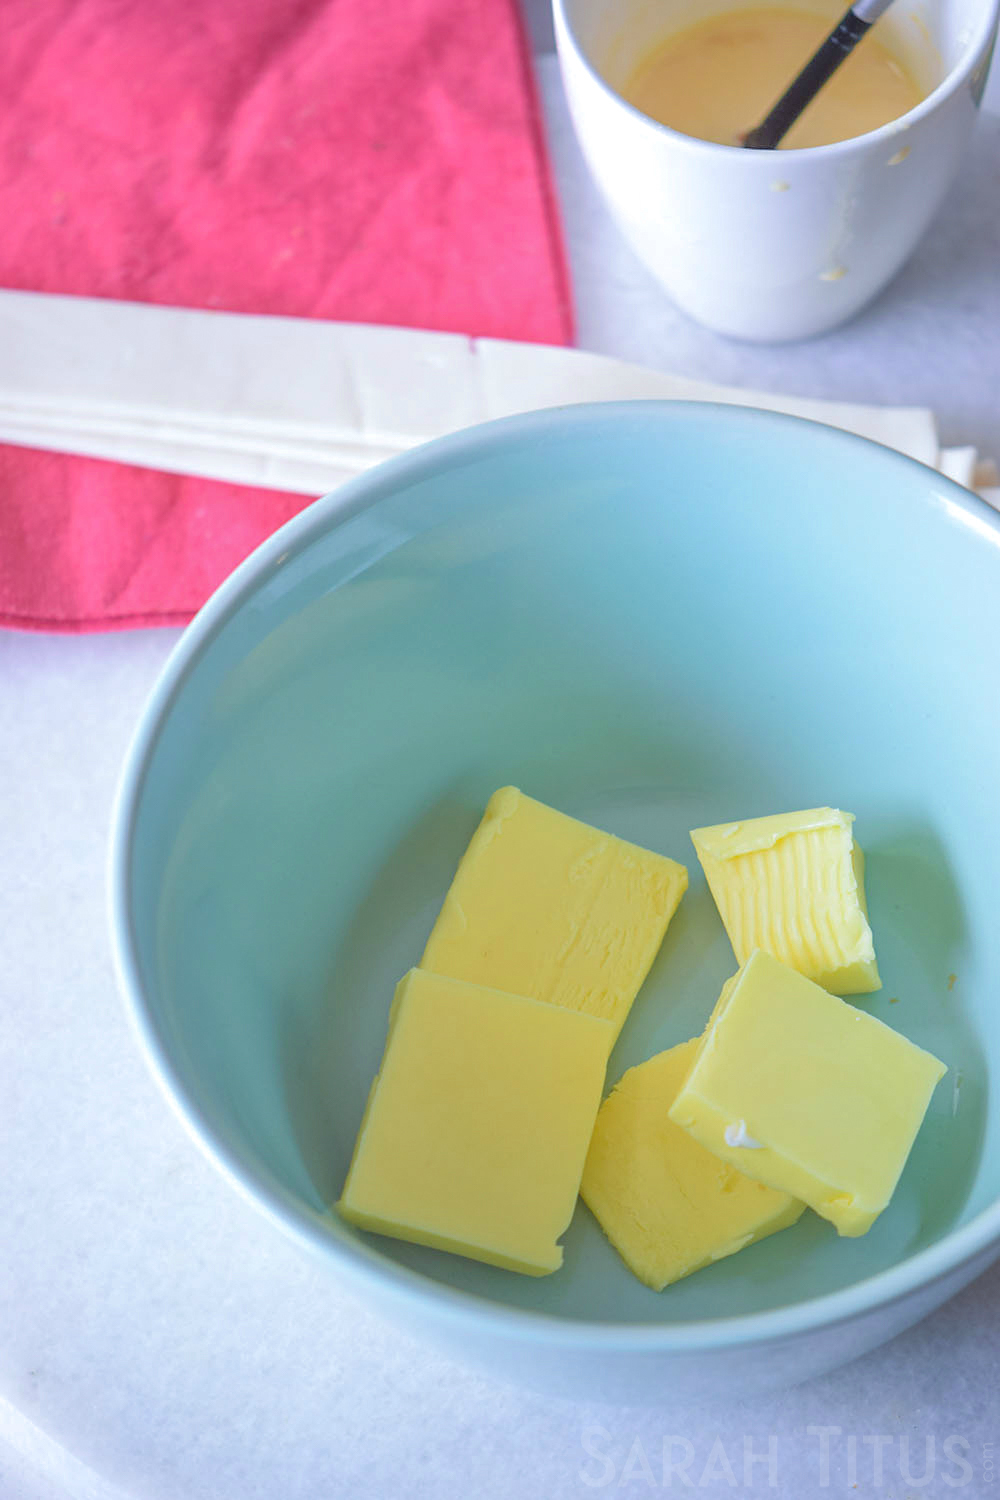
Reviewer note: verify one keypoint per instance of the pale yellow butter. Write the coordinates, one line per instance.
(477, 1125)
(793, 885)
(544, 905)
(667, 1205)
(831, 1098)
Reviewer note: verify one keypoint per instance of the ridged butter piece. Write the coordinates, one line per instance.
(667, 1205)
(477, 1125)
(544, 905)
(830, 1098)
(793, 886)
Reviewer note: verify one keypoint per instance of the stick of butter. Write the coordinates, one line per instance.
(806, 1093)
(477, 1125)
(667, 1205)
(546, 906)
(793, 885)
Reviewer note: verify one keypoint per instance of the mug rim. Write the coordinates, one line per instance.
(978, 45)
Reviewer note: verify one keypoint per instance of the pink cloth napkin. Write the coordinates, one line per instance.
(363, 160)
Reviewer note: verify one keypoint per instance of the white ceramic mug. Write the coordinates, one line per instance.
(771, 245)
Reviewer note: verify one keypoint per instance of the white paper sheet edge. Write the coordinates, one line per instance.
(300, 405)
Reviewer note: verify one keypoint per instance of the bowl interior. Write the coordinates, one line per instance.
(653, 617)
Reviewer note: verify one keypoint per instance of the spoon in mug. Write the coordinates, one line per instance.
(821, 66)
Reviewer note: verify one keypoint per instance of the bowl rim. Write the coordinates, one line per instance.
(367, 1267)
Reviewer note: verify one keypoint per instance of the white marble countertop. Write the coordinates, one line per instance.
(160, 1340)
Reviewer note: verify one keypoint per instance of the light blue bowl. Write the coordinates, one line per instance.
(653, 616)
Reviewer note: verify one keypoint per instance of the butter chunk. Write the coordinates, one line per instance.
(546, 906)
(806, 1093)
(793, 885)
(667, 1205)
(477, 1125)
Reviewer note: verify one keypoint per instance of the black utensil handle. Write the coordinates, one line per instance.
(802, 90)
